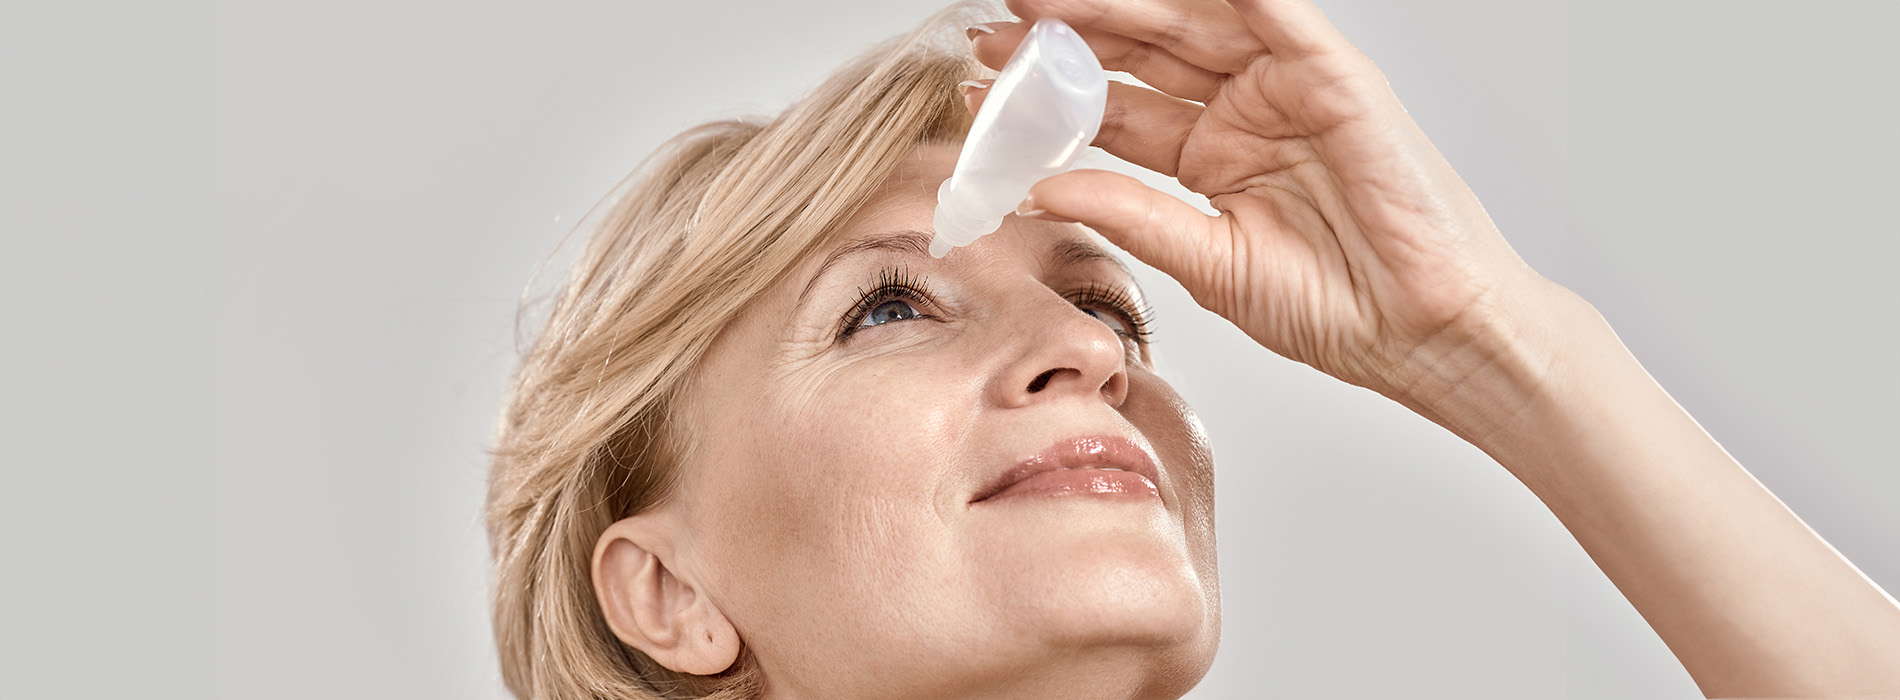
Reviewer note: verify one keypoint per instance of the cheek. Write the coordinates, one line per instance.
(1181, 442)
(861, 441)
(815, 491)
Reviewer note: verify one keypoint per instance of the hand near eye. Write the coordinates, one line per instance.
(1345, 242)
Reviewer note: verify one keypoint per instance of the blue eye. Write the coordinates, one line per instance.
(893, 310)
(896, 297)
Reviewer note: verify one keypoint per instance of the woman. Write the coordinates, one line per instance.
(769, 447)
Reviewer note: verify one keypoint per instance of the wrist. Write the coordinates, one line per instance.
(1504, 363)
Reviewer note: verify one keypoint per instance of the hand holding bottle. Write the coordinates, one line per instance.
(1345, 240)
(1044, 109)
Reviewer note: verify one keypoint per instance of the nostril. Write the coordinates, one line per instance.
(1041, 381)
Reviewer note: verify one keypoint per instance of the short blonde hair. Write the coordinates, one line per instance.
(713, 219)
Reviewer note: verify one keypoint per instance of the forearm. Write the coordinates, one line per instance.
(1751, 601)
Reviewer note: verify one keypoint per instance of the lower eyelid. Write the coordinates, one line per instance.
(853, 321)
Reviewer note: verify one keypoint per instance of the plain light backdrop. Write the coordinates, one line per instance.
(262, 263)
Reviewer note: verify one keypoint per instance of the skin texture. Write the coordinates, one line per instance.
(825, 507)
(1347, 242)
(824, 516)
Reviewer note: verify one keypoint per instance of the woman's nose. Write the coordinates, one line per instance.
(1058, 351)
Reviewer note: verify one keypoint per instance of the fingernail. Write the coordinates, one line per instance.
(969, 85)
(976, 29)
(1028, 208)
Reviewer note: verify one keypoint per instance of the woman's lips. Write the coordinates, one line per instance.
(1081, 481)
(1102, 466)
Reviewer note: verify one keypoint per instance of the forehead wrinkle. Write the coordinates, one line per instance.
(903, 241)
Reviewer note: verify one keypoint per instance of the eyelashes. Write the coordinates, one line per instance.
(891, 285)
(899, 285)
(1138, 316)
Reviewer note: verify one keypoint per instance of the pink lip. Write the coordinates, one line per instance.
(1087, 466)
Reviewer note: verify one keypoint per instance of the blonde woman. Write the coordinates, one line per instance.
(768, 447)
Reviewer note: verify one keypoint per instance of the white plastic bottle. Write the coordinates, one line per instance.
(1041, 113)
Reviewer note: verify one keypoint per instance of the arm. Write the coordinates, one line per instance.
(1346, 242)
(1752, 602)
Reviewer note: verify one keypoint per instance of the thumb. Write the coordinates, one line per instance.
(1153, 226)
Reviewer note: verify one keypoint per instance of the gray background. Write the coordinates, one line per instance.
(262, 262)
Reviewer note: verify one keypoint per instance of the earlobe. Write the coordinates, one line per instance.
(651, 607)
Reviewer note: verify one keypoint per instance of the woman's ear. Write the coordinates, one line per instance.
(652, 607)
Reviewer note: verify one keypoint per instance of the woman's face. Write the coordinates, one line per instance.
(849, 436)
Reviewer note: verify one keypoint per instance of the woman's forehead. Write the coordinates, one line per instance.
(909, 192)
(896, 222)
(1045, 246)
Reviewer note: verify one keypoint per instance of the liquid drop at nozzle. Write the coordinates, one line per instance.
(1039, 116)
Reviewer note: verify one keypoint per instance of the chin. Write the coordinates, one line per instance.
(1093, 575)
(1123, 619)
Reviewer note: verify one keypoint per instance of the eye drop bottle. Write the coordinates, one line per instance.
(1042, 111)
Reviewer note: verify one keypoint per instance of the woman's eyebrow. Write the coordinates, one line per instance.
(1078, 251)
(903, 241)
